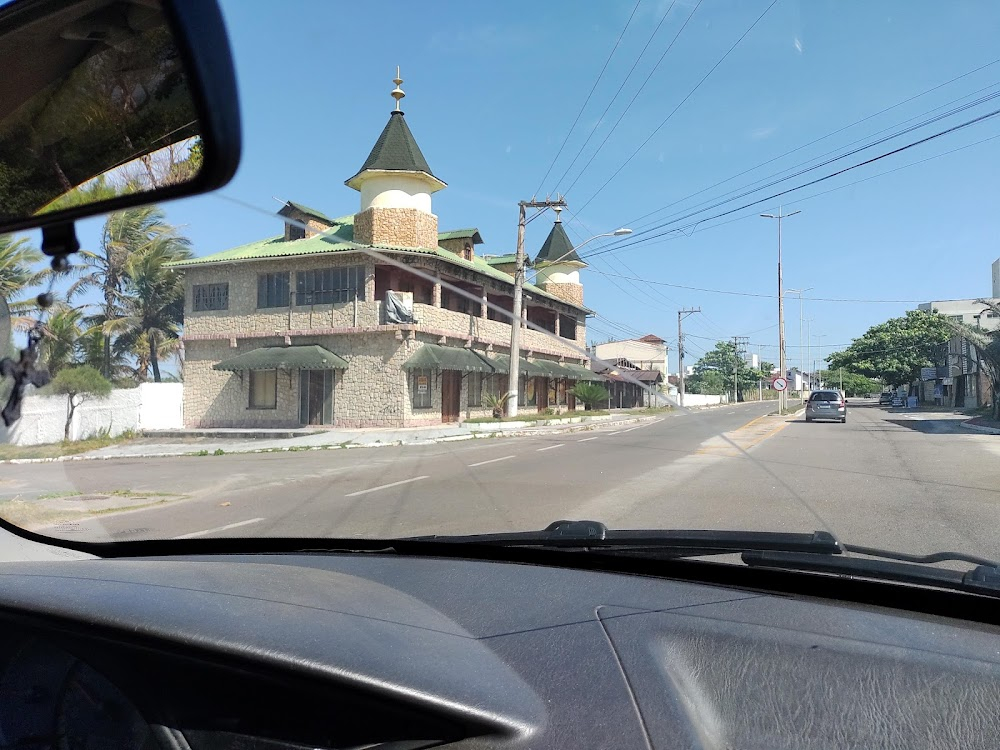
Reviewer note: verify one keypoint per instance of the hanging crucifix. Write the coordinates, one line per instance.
(24, 372)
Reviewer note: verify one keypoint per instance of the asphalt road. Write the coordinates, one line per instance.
(908, 481)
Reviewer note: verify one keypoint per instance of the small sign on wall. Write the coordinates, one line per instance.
(422, 384)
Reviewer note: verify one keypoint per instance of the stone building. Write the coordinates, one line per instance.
(374, 318)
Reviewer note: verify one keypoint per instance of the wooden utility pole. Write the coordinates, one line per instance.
(681, 314)
(738, 343)
(515, 320)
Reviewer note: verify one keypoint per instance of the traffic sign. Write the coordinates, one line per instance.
(779, 383)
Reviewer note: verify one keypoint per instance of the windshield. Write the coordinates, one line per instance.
(658, 193)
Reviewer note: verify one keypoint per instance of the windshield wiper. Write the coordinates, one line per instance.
(818, 551)
(594, 535)
(983, 579)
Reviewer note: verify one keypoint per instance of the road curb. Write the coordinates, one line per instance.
(477, 435)
(979, 428)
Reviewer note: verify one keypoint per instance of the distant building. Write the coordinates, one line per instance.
(996, 278)
(967, 311)
(646, 353)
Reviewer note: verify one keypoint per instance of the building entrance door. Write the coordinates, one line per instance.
(451, 395)
(316, 397)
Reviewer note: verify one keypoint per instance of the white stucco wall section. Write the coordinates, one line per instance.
(396, 190)
(150, 406)
(558, 274)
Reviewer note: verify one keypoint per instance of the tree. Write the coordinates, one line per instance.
(714, 372)
(153, 306)
(894, 351)
(61, 335)
(80, 384)
(854, 384)
(17, 257)
(987, 346)
(591, 394)
(126, 235)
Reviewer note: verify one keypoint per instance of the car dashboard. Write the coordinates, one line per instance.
(382, 651)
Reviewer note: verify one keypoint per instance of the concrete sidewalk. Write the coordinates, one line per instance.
(323, 439)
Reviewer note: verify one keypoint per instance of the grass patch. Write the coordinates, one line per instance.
(111, 493)
(650, 410)
(65, 448)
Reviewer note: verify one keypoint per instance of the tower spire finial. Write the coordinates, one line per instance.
(397, 93)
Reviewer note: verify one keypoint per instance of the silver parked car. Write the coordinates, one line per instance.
(826, 405)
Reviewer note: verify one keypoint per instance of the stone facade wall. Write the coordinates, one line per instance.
(243, 317)
(572, 293)
(405, 227)
(486, 331)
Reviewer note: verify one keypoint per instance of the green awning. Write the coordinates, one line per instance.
(579, 372)
(553, 369)
(435, 357)
(311, 357)
(502, 364)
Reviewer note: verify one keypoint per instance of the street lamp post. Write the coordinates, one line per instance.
(782, 366)
(802, 361)
(515, 317)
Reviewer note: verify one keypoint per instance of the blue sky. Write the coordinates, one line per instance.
(492, 90)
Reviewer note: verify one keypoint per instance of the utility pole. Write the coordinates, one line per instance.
(738, 343)
(782, 366)
(803, 363)
(681, 314)
(515, 321)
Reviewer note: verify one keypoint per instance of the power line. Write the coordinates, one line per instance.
(866, 162)
(587, 100)
(614, 98)
(829, 135)
(750, 189)
(696, 226)
(636, 95)
(688, 96)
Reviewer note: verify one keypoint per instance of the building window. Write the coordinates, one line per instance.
(522, 390)
(326, 286)
(475, 389)
(263, 389)
(567, 327)
(294, 232)
(211, 296)
(420, 388)
(272, 290)
(562, 393)
(454, 301)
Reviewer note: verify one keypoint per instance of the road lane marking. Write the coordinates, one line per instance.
(616, 433)
(584, 440)
(550, 447)
(491, 461)
(634, 428)
(196, 534)
(386, 486)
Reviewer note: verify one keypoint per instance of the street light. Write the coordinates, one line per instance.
(620, 232)
(782, 367)
(513, 374)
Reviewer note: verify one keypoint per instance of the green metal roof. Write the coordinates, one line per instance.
(305, 210)
(434, 357)
(311, 357)
(502, 364)
(341, 239)
(396, 150)
(501, 260)
(461, 234)
(557, 247)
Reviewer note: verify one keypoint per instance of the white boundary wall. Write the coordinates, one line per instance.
(151, 406)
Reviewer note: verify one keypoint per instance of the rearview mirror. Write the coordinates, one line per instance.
(106, 104)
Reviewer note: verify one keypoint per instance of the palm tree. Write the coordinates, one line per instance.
(61, 337)
(126, 236)
(18, 258)
(153, 306)
(140, 352)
